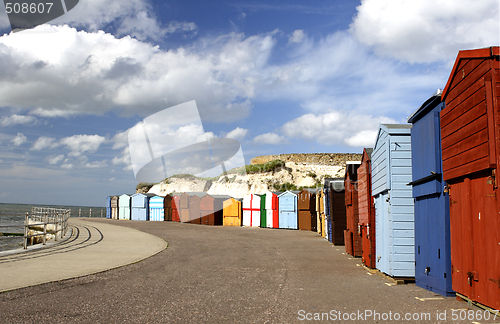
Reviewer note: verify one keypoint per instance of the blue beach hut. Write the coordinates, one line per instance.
(394, 216)
(140, 206)
(156, 209)
(287, 207)
(124, 207)
(432, 208)
(108, 207)
(328, 221)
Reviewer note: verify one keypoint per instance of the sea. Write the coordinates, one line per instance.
(14, 214)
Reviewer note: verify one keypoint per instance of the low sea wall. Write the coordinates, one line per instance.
(310, 158)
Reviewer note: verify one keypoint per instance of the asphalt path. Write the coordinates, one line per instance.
(231, 275)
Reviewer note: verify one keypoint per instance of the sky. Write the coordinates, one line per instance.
(276, 76)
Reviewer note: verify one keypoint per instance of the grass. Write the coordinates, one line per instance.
(270, 166)
(286, 186)
(144, 185)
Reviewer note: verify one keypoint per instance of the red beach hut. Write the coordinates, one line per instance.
(176, 201)
(366, 209)
(352, 239)
(470, 139)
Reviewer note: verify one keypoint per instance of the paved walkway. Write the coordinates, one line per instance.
(88, 249)
(221, 275)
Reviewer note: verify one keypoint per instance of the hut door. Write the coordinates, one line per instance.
(485, 276)
(428, 250)
(461, 237)
(383, 233)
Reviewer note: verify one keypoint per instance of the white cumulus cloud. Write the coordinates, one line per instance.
(19, 139)
(426, 30)
(238, 133)
(44, 142)
(296, 37)
(336, 128)
(130, 17)
(120, 140)
(270, 138)
(96, 164)
(55, 159)
(79, 144)
(17, 120)
(66, 72)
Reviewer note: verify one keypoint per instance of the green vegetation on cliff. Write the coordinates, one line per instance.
(274, 165)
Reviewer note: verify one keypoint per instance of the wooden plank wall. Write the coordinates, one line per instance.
(402, 209)
(464, 122)
(232, 212)
(366, 210)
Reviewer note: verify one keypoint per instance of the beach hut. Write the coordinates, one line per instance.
(287, 207)
(470, 146)
(195, 206)
(432, 208)
(336, 222)
(251, 210)
(156, 209)
(271, 210)
(167, 207)
(211, 209)
(263, 215)
(124, 206)
(320, 212)
(114, 207)
(366, 209)
(306, 204)
(108, 206)
(391, 173)
(326, 192)
(176, 203)
(326, 213)
(194, 209)
(140, 206)
(232, 213)
(184, 208)
(352, 239)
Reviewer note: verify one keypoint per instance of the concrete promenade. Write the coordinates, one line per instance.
(88, 249)
(219, 275)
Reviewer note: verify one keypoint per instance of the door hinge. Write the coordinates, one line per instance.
(447, 189)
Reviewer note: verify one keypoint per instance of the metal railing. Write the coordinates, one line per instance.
(45, 216)
(43, 221)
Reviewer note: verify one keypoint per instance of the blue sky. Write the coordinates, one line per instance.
(278, 76)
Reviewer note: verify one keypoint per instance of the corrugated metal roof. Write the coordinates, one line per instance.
(221, 196)
(397, 126)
